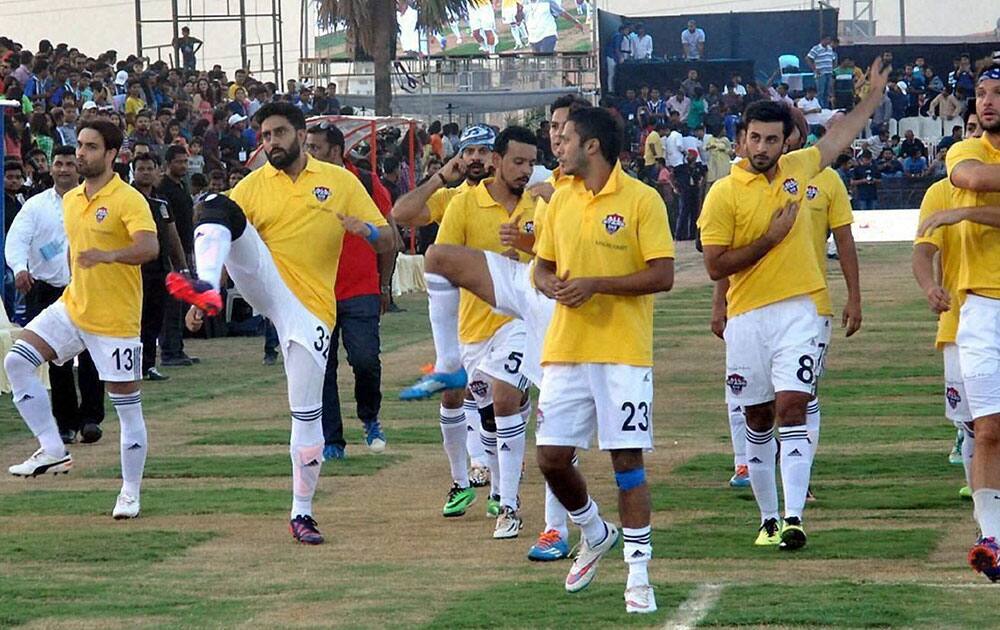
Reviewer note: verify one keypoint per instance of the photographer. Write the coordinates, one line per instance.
(865, 179)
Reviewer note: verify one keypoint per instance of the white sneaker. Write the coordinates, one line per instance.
(509, 523)
(584, 568)
(640, 599)
(41, 463)
(126, 507)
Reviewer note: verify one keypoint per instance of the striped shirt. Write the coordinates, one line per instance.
(825, 57)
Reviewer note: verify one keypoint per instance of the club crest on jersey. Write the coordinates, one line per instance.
(322, 193)
(791, 186)
(614, 222)
(101, 214)
(736, 383)
(529, 227)
(811, 192)
(952, 396)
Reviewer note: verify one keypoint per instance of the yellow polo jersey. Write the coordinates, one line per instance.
(473, 219)
(738, 210)
(613, 233)
(653, 148)
(829, 208)
(439, 201)
(297, 220)
(948, 242)
(979, 270)
(105, 299)
(556, 180)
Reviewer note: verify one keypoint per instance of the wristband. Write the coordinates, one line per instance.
(372, 233)
(444, 182)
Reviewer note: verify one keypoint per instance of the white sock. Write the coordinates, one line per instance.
(489, 440)
(796, 466)
(306, 447)
(211, 248)
(761, 451)
(453, 432)
(510, 455)
(442, 307)
(31, 398)
(473, 443)
(987, 502)
(812, 423)
(134, 444)
(589, 520)
(638, 549)
(738, 434)
(968, 449)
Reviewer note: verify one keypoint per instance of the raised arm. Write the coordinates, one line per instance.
(840, 136)
(411, 209)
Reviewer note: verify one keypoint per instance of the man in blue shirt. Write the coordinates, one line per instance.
(865, 179)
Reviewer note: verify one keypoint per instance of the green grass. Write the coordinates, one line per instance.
(429, 434)
(248, 467)
(97, 546)
(732, 538)
(926, 465)
(545, 604)
(156, 501)
(851, 604)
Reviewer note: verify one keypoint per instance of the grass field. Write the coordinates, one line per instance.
(888, 533)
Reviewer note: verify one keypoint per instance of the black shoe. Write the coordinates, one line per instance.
(90, 433)
(181, 361)
(394, 309)
(270, 359)
(194, 360)
(152, 374)
(68, 436)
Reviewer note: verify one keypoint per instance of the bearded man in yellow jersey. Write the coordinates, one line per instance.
(604, 250)
(279, 235)
(753, 234)
(110, 233)
(974, 172)
(829, 206)
(938, 235)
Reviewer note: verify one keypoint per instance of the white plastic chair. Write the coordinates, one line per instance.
(910, 123)
(893, 127)
(949, 123)
(930, 127)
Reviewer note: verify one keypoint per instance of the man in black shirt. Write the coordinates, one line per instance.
(154, 273)
(173, 190)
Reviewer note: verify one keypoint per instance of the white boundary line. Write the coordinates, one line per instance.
(695, 608)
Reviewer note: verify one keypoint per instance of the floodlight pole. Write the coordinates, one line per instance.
(902, 21)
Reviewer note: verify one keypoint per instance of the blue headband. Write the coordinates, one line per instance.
(992, 73)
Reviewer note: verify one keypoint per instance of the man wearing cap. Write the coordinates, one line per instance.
(233, 146)
(426, 204)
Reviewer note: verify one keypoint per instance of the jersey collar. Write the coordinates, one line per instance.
(611, 186)
(485, 200)
(312, 166)
(108, 189)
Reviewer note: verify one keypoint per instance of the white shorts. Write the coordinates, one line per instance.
(774, 348)
(500, 357)
(978, 343)
(517, 297)
(117, 359)
(509, 15)
(482, 17)
(956, 403)
(825, 335)
(252, 269)
(578, 399)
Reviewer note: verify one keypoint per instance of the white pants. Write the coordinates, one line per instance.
(579, 399)
(978, 342)
(117, 359)
(773, 348)
(501, 357)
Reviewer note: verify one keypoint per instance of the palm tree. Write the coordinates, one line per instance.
(372, 25)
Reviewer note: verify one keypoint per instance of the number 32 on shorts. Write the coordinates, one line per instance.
(322, 343)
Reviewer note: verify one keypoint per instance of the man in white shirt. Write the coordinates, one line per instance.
(673, 147)
(693, 41)
(643, 45)
(36, 253)
(780, 94)
(811, 107)
(540, 20)
(679, 103)
(409, 34)
(695, 141)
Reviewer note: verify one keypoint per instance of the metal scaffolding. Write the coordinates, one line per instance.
(261, 58)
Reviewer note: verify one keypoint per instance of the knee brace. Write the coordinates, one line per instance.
(221, 210)
(20, 364)
(488, 419)
(630, 479)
